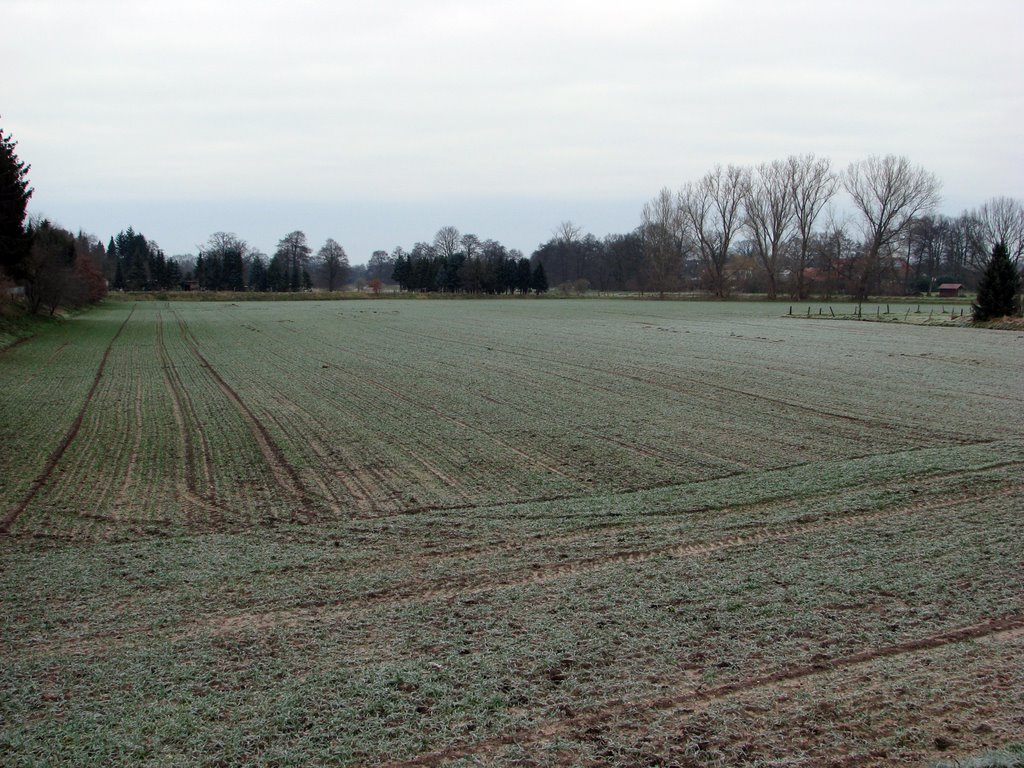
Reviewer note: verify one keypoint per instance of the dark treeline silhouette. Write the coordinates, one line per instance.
(138, 264)
(42, 264)
(456, 263)
(777, 228)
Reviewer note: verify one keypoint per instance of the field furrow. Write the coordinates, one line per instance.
(45, 475)
(285, 474)
(509, 532)
(697, 695)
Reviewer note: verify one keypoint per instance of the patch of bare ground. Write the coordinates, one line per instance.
(685, 713)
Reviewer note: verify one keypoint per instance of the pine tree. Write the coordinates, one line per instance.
(258, 278)
(539, 279)
(523, 275)
(113, 264)
(997, 291)
(14, 195)
(119, 284)
(173, 275)
(400, 273)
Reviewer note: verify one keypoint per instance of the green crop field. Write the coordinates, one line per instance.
(595, 532)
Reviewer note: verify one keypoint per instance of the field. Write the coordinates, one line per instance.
(596, 532)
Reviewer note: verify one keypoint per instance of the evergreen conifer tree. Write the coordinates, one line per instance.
(258, 279)
(14, 195)
(400, 273)
(539, 279)
(119, 284)
(997, 291)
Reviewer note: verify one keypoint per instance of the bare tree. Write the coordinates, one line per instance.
(446, 242)
(293, 254)
(711, 211)
(228, 252)
(335, 263)
(380, 266)
(661, 228)
(814, 184)
(888, 192)
(471, 246)
(567, 233)
(834, 252)
(770, 215)
(999, 220)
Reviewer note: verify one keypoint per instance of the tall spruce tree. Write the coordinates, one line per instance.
(539, 279)
(997, 291)
(14, 195)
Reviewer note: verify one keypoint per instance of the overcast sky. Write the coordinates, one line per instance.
(376, 123)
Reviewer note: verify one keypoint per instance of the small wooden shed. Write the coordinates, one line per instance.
(951, 290)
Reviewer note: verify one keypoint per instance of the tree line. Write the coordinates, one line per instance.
(782, 227)
(795, 226)
(792, 227)
(46, 264)
(458, 263)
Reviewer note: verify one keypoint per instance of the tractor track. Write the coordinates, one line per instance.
(455, 589)
(415, 592)
(469, 586)
(547, 464)
(686, 700)
(58, 453)
(670, 517)
(284, 473)
(185, 418)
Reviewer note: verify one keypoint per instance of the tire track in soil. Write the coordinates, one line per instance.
(16, 343)
(56, 353)
(58, 453)
(133, 459)
(662, 486)
(359, 481)
(716, 460)
(688, 700)
(284, 473)
(549, 573)
(366, 479)
(669, 517)
(410, 593)
(188, 423)
(320, 451)
(531, 460)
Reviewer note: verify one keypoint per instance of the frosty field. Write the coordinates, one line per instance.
(522, 532)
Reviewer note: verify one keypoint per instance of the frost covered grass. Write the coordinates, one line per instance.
(544, 533)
